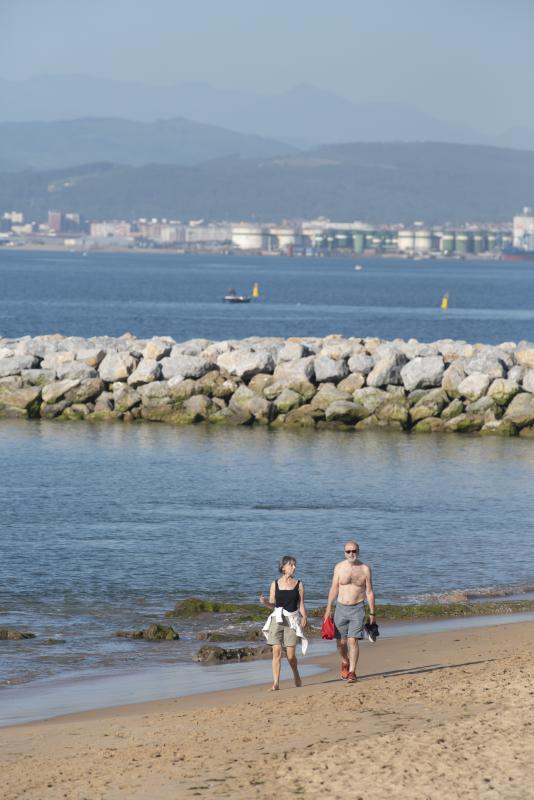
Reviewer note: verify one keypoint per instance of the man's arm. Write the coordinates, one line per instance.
(332, 594)
(370, 593)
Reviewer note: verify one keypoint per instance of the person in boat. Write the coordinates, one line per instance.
(284, 626)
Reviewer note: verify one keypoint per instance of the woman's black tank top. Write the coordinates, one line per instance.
(287, 598)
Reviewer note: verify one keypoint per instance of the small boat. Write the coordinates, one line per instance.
(445, 301)
(358, 267)
(232, 297)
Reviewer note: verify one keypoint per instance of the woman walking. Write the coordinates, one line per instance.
(284, 627)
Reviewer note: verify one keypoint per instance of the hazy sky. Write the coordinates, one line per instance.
(466, 61)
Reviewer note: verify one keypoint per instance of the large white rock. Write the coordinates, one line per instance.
(52, 392)
(528, 381)
(13, 365)
(85, 391)
(91, 356)
(193, 347)
(423, 372)
(521, 410)
(415, 349)
(293, 372)
(147, 371)
(56, 359)
(329, 370)
(186, 366)
(328, 394)
(516, 373)
(343, 411)
(450, 349)
(524, 356)
(292, 351)
(502, 390)
(488, 363)
(474, 386)
(157, 349)
(452, 378)
(342, 349)
(124, 397)
(387, 369)
(75, 369)
(246, 363)
(117, 366)
(287, 400)
(361, 363)
(370, 397)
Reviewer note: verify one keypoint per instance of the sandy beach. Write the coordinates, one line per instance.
(435, 715)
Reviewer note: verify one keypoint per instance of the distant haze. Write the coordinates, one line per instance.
(303, 116)
(461, 67)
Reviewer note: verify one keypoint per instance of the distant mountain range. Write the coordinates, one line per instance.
(395, 182)
(45, 145)
(303, 116)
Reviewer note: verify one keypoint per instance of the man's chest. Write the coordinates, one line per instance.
(352, 575)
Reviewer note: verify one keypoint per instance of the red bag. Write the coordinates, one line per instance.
(327, 630)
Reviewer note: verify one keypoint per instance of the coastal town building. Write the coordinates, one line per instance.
(316, 237)
(523, 230)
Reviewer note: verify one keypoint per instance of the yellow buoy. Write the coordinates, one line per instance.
(256, 290)
(445, 301)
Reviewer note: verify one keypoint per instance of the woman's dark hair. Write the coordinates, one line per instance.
(286, 560)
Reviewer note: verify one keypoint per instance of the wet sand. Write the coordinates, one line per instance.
(446, 714)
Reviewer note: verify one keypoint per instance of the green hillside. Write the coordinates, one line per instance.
(374, 182)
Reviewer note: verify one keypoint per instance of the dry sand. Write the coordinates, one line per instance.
(446, 715)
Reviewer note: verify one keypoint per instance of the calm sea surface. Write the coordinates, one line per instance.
(149, 294)
(106, 527)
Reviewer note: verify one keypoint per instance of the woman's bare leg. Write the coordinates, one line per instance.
(277, 658)
(292, 660)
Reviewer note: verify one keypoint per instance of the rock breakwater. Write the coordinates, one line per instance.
(330, 382)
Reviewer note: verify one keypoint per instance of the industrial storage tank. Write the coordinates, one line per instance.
(358, 241)
(479, 242)
(248, 237)
(492, 240)
(406, 241)
(283, 238)
(464, 243)
(423, 241)
(341, 240)
(448, 243)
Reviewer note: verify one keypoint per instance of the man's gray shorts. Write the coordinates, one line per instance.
(348, 621)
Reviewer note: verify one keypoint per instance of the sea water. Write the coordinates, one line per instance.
(181, 296)
(105, 527)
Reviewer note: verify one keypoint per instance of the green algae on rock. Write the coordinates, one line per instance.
(192, 606)
(154, 633)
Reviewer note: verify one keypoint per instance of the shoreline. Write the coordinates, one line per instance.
(80, 250)
(59, 696)
(434, 713)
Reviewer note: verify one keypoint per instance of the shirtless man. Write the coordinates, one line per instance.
(352, 583)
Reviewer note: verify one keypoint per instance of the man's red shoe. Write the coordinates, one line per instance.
(344, 674)
(351, 677)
